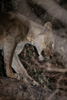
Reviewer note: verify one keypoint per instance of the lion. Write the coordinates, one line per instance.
(15, 31)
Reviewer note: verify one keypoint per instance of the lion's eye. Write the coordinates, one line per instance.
(50, 44)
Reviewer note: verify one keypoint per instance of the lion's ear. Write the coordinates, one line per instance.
(48, 26)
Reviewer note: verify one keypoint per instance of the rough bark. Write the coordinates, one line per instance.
(56, 11)
(11, 89)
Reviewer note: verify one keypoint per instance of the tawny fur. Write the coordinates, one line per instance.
(15, 31)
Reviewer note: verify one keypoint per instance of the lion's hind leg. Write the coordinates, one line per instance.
(8, 50)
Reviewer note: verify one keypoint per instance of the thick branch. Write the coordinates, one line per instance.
(53, 9)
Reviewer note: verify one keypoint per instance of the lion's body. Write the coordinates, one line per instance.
(15, 31)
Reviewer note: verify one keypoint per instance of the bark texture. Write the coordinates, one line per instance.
(53, 9)
(11, 89)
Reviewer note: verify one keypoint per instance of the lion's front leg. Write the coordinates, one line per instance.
(18, 66)
(16, 63)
